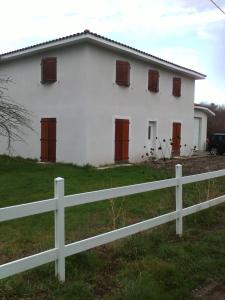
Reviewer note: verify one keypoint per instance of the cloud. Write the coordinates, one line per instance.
(179, 55)
(207, 91)
(43, 19)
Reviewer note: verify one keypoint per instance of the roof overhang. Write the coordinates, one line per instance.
(205, 110)
(90, 37)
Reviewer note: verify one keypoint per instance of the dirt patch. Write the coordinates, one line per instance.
(192, 165)
(210, 290)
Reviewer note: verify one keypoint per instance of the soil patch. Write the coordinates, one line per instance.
(192, 165)
(210, 290)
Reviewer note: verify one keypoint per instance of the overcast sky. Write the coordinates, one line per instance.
(188, 32)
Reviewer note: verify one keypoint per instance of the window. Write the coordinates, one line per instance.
(122, 73)
(176, 87)
(48, 70)
(149, 130)
(153, 81)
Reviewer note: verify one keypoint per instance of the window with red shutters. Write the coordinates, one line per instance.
(176, 86)
(153, 81)
(48, 69)
(122, 73)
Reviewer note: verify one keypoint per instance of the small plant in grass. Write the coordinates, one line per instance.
(116, 212)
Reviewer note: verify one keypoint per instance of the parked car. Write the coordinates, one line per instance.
(216, 143)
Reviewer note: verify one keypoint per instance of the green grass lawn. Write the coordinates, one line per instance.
(155, 264)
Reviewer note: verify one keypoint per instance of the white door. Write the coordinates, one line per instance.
(197, 133)
(151, 137)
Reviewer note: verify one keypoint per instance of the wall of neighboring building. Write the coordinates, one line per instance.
(201, 127)
(63, 100)
(108, 101)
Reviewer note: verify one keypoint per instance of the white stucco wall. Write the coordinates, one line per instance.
(202, 116)
(85, 100)
(108, 101)
(63, 100)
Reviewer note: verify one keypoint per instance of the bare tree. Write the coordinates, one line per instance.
(14, 117)
(217, 123)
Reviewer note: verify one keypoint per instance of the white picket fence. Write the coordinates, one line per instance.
(60, 202)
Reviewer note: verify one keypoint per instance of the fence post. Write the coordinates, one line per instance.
(179, 201)
(59, 228)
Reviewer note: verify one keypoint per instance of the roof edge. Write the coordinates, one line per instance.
(103, 41)
(205, 109)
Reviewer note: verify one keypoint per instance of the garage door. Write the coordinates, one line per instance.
(197, 132)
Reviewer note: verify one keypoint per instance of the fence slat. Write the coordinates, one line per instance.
(27, 263)
(179, 201)
(111, 236)
(59, 228)
(28, 209)
(198, 207)
(203, 176)
(107, 194)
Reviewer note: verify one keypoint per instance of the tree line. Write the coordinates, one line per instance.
(217, 123)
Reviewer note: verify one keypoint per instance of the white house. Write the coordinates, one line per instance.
(98, 101)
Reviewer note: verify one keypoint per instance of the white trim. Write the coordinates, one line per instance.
(156, 129)
(199, 132)
(205, 109)
(89, 37)
(155, 121)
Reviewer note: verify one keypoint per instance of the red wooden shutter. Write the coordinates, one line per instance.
(176, 87)
(49, 69)
(52, 140)
(118, 139)
(125, 148)
(44, 140)
(121, 139)
(48, 139)
(122, 73)
(153, 81)
(176, 138)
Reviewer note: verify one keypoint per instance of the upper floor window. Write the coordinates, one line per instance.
(48, 69)
(153, 81)
(176, 86)
(122, 73)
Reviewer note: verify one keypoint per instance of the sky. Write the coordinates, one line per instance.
(190, 33)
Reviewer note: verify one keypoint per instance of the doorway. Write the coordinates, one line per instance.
(121, 140)
(48, 139)
(197, 133)
(176, 140)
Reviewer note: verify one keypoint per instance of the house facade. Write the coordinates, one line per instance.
(95, 101)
